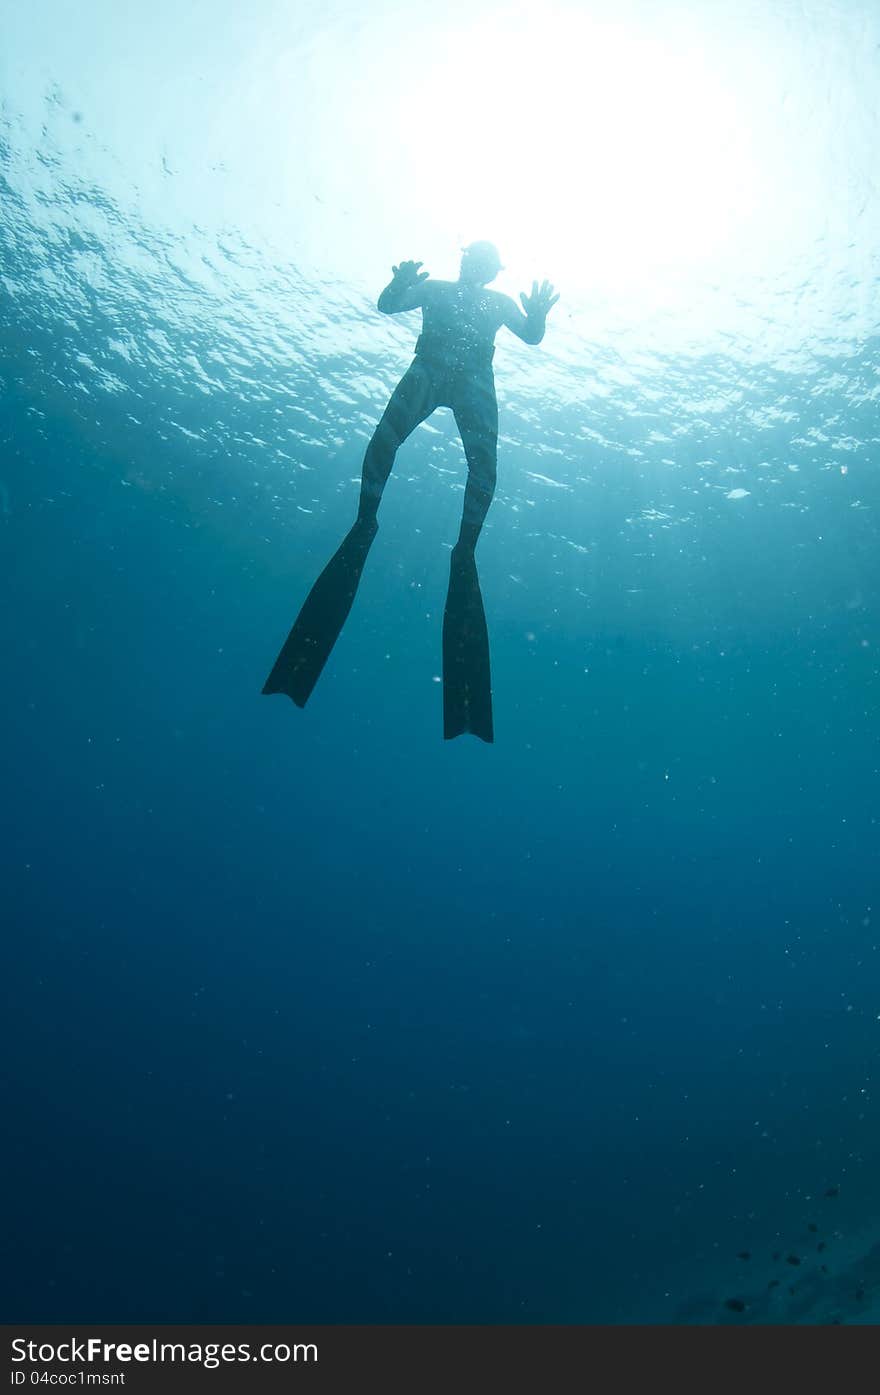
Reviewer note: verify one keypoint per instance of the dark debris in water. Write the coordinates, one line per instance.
(811, 1294)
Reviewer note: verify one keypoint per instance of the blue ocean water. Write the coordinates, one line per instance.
(314, 1016)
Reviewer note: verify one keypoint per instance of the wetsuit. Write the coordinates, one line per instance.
(452, 368)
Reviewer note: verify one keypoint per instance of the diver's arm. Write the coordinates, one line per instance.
(530, 327)
(405, 291)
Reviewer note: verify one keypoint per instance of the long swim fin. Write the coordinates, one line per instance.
(319, 623)
(467, 680)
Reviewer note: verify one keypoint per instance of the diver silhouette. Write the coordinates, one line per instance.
(452, 367)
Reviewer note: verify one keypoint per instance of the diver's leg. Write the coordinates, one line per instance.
(326, 608)
(467, 678)
(476, 416)
(412, 401)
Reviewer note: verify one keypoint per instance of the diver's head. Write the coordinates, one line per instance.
(480, 263)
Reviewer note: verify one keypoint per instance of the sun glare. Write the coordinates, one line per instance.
(676, 169)
(611, 151)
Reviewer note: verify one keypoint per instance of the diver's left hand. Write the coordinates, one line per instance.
(540, 302)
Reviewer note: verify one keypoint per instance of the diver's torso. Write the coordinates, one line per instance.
(459, 324)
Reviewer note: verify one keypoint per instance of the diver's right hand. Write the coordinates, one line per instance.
(408, 274)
